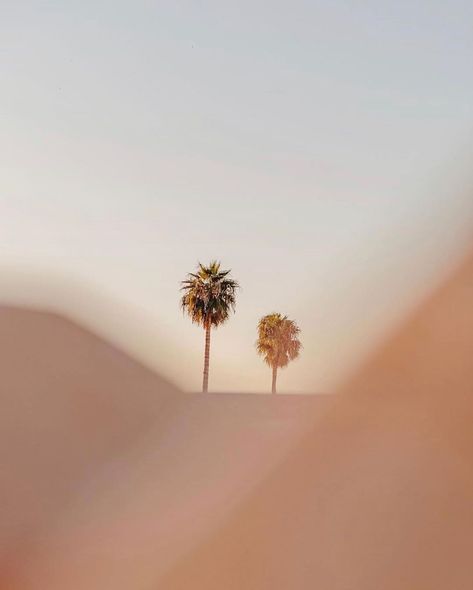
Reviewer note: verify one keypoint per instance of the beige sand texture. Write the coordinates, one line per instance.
(70, 403)
(109, 474)
(380, 495)
(109, 483)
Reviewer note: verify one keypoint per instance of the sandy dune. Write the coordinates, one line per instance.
(98, 452)
(112, 479)
(380, 494)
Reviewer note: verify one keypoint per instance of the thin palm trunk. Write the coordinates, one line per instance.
(205, 385)
(275, 374)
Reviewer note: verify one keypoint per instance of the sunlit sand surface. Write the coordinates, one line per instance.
(111, 478)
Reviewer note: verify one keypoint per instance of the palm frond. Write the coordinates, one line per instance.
(278, 340)
(209, 296)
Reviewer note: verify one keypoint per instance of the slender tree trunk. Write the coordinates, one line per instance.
(275, 374)
(205, 385)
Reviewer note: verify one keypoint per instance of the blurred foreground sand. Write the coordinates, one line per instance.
(113, 479)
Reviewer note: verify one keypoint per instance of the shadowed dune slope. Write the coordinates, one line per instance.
(99, 453)
(70, 401)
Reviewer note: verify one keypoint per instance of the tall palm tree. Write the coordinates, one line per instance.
(278, 342)
(209, 297)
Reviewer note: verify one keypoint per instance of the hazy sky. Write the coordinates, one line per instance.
(319, 149)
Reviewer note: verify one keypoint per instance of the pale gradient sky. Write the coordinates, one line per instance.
(319, 149)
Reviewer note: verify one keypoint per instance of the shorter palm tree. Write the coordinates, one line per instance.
(209, 297)
(278, 342)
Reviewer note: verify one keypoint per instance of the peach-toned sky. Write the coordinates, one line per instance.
(320, 150)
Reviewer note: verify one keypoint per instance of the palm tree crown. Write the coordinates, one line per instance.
(278, 342)
(209, 295)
